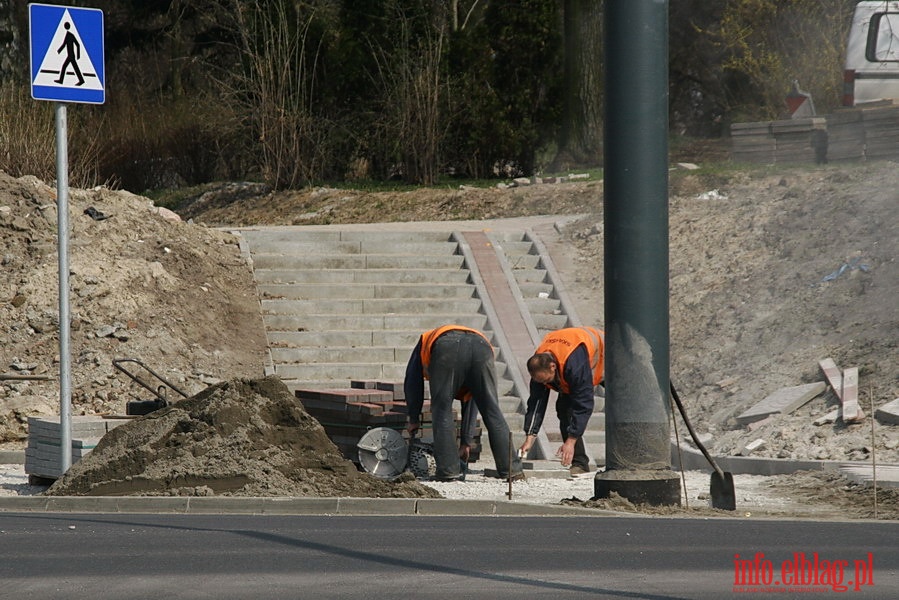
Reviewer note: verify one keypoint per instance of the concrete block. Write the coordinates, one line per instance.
(833, 375)
(852, 412)
(752, 447)
(888, 414)
(364, 384)
(783, 401)
(397, 388)
(830, 417)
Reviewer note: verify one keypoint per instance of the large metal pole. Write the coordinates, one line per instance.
(62, 222)
(638, 456)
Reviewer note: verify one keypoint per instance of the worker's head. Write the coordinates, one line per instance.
(542, 368)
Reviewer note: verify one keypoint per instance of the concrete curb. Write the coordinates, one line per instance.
(693, 460)
(289, 506)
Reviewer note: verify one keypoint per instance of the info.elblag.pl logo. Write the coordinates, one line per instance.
(802, 573)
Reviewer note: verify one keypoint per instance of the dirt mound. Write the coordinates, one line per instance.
(143, 284)
(244, 437)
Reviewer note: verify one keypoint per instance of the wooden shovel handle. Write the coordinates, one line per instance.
(683, 413)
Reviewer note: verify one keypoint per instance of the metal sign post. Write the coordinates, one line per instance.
(62, 221)
(67, 65)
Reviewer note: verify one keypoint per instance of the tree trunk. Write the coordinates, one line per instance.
(580, 143)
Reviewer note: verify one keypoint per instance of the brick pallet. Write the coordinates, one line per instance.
(869, 132)
(347, 413)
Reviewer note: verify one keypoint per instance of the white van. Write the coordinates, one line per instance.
(872, 54)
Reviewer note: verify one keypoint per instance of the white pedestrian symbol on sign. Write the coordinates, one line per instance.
(66, 63)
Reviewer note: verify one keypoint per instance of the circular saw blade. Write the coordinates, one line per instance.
(382, 452)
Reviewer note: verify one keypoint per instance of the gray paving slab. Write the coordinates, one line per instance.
(782, 401)
(888, 413)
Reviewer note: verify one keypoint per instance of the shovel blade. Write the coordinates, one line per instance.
(722, 491)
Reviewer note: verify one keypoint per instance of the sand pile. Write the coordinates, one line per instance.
(245, 437)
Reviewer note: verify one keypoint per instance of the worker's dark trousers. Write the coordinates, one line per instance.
(563, 411)
(464, 359)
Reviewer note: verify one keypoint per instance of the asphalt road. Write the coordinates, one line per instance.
(130, 556)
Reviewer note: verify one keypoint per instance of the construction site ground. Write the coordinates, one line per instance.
(772, 270)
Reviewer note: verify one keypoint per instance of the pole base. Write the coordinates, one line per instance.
(652, 487)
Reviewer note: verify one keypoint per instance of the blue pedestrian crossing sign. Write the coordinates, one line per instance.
(67, 61)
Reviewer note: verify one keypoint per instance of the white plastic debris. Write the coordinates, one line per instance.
(712, 195)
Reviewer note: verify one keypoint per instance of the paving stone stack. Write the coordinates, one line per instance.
(43, 454)
(866, 132)
(347, 413)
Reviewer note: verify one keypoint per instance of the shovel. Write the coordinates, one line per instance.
(722, 483)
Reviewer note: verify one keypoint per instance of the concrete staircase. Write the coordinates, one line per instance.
(341, 305)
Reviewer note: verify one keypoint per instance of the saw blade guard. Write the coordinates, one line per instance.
(382, 452)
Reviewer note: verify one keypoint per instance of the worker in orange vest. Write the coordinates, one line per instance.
(571, 362)
(458, 362)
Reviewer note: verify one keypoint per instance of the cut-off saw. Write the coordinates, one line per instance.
(385, 454)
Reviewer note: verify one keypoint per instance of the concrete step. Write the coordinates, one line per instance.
(373, 306)
(379, 276)
(322, 322)
(356, 261)
(326, 291)
(546, 306)
(510, 405)
(337, 370)
(547, 323)
(298, 339)
(345, 354)
(523, 261)
(523, 276)
(515, 247)
(533, 289)
(362, 246)
(307, 235)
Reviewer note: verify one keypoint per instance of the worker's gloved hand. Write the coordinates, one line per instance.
(464, 452)
(412, 428)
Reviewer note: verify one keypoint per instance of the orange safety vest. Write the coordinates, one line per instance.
(562, 343)
(427, 342)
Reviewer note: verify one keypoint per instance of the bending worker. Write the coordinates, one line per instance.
(569, 361)
(458, 362)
